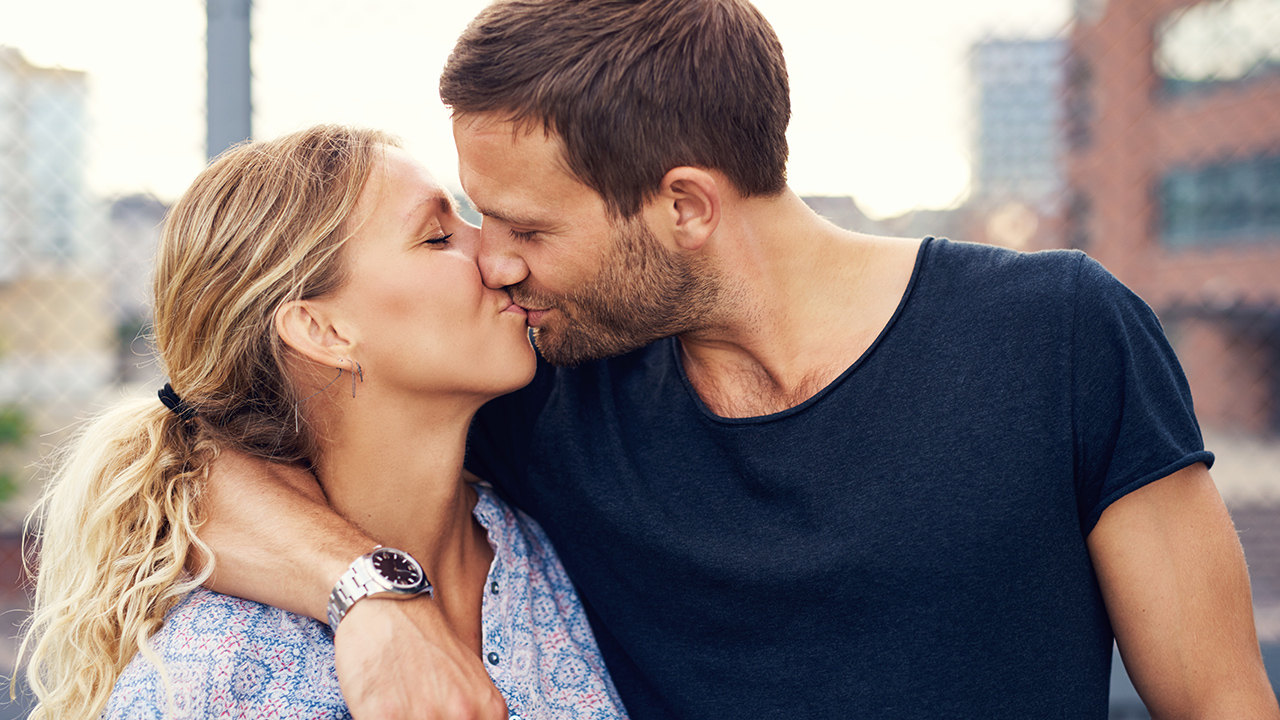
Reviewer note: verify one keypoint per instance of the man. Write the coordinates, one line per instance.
(794, 471)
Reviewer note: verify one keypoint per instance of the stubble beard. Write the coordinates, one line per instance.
(642, 293)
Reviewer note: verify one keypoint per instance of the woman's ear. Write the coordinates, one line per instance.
(692, 199)
(305, 327)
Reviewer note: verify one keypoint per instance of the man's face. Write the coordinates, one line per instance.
(593, 287)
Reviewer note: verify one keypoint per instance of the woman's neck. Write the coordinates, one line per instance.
(392, 466)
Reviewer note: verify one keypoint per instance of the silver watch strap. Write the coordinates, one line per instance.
(355, 584)
(359, 582)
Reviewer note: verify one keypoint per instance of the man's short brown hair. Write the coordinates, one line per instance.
(633, 88)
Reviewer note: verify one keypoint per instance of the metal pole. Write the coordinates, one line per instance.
(229, 105)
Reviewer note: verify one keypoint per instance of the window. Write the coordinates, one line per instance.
(1222, 203)
(1213, 44)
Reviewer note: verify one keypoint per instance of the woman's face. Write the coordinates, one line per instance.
(414, 303)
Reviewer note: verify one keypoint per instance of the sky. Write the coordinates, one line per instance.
(880, 100)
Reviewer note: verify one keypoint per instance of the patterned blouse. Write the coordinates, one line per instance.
(231, 658)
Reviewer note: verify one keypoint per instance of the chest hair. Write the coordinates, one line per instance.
(744, 392)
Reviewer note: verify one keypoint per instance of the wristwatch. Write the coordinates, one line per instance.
(385, 572)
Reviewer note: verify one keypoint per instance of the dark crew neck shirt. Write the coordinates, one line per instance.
(908, 543)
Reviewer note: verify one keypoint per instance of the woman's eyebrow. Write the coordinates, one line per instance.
(428, 207)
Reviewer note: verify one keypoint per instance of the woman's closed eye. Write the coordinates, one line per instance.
(443, 240)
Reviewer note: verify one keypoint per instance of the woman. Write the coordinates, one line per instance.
(317, 300)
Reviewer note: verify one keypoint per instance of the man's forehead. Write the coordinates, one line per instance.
(494, 138)
(498, 123)
(512, 171)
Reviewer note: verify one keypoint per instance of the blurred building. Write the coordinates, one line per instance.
(133, 234)
(843, 211)
(55, 327)
(1173, 127)
(44, 206)
(1017, 90)
(1173, 166)
(1017, 142)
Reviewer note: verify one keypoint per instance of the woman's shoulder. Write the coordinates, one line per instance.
(533, 617)
(520, 536)
(221, 653)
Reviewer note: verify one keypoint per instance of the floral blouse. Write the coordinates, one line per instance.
(232, 658)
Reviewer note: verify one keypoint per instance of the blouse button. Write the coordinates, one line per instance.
(493, 658)
(494, 587)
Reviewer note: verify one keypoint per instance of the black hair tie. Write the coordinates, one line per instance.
(175, 403)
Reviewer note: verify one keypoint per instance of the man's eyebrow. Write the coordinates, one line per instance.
(507, 218)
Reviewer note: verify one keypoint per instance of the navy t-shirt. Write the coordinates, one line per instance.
(908, 543)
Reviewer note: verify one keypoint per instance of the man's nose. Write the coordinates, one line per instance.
(500, 261)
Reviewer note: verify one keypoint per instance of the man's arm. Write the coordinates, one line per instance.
(1177, 590)
(276, 541)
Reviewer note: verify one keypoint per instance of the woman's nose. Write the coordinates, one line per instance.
(466, 238)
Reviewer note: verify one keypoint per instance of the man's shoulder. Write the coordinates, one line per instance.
(974, 277)
(979, 262)
(1042, 281)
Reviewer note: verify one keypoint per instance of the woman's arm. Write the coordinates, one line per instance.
(277, 542)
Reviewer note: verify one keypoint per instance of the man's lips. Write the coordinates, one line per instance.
(531, 315)
(534, 315)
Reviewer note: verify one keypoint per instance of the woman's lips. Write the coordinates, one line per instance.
(515, 310)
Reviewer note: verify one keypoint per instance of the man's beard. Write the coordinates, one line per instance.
(642, 293)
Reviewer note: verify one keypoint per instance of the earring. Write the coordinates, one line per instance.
(359, 371)
(297, 424)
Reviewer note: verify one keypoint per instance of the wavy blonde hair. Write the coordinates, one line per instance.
(262, 225)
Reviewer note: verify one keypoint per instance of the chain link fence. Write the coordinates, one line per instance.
(1144, 132)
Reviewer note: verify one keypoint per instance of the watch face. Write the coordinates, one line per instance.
(399, 569)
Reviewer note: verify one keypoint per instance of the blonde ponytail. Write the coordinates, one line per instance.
(262, 225)
(118, 523)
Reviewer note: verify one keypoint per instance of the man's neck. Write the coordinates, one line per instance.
(804, 300)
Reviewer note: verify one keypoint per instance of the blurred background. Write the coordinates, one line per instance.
(1143, 132)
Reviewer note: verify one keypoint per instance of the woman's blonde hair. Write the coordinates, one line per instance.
(262, 225)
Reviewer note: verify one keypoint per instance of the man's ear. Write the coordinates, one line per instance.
(690, 199)
(305, 327)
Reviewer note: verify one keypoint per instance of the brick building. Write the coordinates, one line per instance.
(1172, 129)
(1172, 114)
